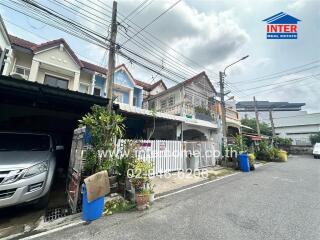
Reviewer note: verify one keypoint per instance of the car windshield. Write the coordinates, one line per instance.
(24, 142)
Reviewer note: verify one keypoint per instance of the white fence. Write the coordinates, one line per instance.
(203, 151)
(166, 156)
(170, 156)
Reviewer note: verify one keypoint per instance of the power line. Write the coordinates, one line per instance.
(135, 10)
(74, 30)
(278, 76)
(141, 10)
(150, 23)
(162, 43)
(173, 62)
(277, 87)
(271, 84)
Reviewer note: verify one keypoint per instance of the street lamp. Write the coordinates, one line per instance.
(222, 94)
(224, 71)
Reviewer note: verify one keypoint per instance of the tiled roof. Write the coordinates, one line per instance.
(84, 64)
(94, 67)
(21, 42)
(186, 82)
(149, 87)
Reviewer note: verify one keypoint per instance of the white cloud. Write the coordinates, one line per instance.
(297, 4)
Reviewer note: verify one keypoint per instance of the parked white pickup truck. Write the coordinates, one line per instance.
(27, 166)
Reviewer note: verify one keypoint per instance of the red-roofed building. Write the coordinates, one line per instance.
(56, 64)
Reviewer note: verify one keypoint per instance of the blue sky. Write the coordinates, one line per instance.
(212, 33)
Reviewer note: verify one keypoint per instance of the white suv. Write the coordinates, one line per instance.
(27, 165)
(316, 150)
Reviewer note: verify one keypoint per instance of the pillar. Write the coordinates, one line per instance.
(34, 71)
(131, 97)
(76, 81)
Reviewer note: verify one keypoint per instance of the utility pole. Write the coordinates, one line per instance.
(111, 60)
(223, 109)
(272, 124)
(257, 115)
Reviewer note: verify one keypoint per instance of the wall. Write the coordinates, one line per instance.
(122, 78)
(299, 134)
(124, 94)
(58, 57)
(4, 41)
(158, 89)
(22, 59)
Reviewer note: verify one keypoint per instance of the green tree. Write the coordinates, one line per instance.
(265, 129)
(315, 138)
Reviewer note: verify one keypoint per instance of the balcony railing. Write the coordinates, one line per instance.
(232, 114)
(189, 111)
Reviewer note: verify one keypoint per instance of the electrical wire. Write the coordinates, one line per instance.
(150, 23)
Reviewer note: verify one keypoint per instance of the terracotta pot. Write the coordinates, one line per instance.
(142, 201)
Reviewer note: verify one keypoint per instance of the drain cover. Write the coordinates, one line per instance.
(55, 213)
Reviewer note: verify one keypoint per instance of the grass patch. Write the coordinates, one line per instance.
(220, 173)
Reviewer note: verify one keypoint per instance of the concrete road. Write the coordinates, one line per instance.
(277, 201)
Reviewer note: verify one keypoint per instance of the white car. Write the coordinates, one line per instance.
(27, 165)
(316, 150)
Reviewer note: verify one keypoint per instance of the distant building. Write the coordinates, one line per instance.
(279, 109)
(298, 128)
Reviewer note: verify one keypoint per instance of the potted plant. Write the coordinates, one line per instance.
(142, 199)
(104, 129)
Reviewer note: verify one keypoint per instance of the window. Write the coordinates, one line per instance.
(171, 100)
(163, 103)
(97, 91)
(84, 88)
(118, 96)
(56, 82)
(135, 101)
(25, 72)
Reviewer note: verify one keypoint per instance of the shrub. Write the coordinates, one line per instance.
(315, 138)
(273, 154)
(282, 156)
(282, 142)
(262, 152)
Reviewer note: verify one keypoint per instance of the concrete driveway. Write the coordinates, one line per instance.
(277, 201)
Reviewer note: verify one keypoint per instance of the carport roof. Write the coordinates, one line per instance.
(22, 92)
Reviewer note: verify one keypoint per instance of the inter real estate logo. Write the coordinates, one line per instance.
(282, 26)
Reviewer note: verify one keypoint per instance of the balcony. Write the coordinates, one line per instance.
(189, 111)
(232, 114)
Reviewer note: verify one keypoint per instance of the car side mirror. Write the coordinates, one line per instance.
(59, 147)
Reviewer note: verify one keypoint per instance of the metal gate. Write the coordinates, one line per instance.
(79, 144)
(203, 151)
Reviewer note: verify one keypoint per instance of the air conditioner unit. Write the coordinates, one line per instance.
(17, 76)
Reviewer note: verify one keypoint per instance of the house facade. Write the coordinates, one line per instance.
(193, 100)
(54, 63)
